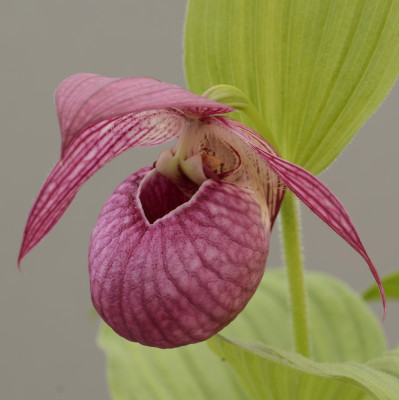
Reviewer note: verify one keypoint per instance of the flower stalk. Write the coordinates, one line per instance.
(292, 245)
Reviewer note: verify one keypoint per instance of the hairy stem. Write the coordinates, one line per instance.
(291, 234)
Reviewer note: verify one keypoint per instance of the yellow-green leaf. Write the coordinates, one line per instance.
(342, 327)
(391, 287)
(314, 69)
(267, 373)
(136, 372)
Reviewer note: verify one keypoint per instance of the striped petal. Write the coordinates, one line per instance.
(312, 192)
(91, 150)
(85, 99)
(100, 118)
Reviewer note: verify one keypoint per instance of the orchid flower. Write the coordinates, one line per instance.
(180, 247)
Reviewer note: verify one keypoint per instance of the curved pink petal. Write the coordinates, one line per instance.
(93, 148)
(312, 192)
(269, 188)
(83, 100)
(100, 118)
(186, 275)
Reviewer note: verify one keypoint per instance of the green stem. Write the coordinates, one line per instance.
(291, 233)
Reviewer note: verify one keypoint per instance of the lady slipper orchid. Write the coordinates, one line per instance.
(180, 247)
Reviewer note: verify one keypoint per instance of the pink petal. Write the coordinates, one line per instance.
(182, 278)
(313, 193)
(100, 118)
(85, 99)
(269, 188)
(92, 148)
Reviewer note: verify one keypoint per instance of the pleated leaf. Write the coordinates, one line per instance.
(391, 287)
(314, 69)
(267, 373)
(342, 328)
(147, 373)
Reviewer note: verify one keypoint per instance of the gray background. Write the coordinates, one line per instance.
(47, 347)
